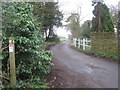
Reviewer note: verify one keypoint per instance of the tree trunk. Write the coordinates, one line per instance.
(50, 33)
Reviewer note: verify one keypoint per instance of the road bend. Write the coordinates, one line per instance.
(96, 72)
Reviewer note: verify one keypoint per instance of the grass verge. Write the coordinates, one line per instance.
(96, 54)
(63, 39)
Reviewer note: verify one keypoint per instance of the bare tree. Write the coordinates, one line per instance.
(114, 14)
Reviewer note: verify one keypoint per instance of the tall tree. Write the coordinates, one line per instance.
(114, 14)
(73, 25)
(101, 21)
(49, 16)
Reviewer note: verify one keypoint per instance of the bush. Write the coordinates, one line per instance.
(31, 59)
(105, 43)
(54, 38)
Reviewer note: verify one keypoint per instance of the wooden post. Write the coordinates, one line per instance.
(83, 44)
(86, 41)
(12, 61)
(75, 42)
(78, 43)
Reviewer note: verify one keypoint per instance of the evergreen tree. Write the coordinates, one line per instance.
(101, 21)
(49, 16)
(86, 29)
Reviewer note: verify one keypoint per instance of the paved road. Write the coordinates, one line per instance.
(96, 72)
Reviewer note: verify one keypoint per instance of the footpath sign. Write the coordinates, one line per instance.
(10, 47)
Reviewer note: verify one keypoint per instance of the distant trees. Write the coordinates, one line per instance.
(114, 14)
(74, 24)
(101, 21)
(75, 28)
(86, 29)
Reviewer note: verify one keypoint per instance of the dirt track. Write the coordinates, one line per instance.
(74, 69)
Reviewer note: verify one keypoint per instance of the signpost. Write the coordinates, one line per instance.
(12, 61)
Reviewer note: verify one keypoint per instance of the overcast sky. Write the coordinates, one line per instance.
(69, 6)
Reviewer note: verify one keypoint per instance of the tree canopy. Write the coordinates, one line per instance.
(49, 16)
(86, 29)
(101, 21)
(74, 25)
(114, 14)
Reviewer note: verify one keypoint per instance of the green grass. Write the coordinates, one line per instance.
(30, 85)
(51, 43)
(63, 39)
(96, 54)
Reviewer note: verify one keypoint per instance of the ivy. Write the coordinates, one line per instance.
(31, 58)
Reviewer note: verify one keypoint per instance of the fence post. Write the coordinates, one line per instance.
(78, 43)
(86, 41)
(83, 44)
(75, 42)
(89, 43)
(12, 61)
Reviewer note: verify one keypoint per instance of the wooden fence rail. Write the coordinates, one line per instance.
(82, 43)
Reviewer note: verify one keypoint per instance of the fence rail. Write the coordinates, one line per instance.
(84, 44)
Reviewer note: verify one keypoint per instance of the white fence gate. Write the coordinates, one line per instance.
(84, 44)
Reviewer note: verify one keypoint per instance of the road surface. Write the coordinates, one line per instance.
(82, 70)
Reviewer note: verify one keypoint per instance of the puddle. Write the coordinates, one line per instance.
(91, 67)
(89, 70)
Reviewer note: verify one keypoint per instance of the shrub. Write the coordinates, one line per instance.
(31, 59)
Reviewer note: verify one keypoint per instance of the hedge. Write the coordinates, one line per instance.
(105, 43)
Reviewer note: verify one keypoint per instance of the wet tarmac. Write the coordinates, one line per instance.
(83, 71)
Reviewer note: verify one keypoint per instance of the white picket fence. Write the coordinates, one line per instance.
(84, 44)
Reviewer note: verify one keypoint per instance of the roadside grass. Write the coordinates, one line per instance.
(51, 43)
(27, 85)
(63, 39)
(102, 55)
(55, 42)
